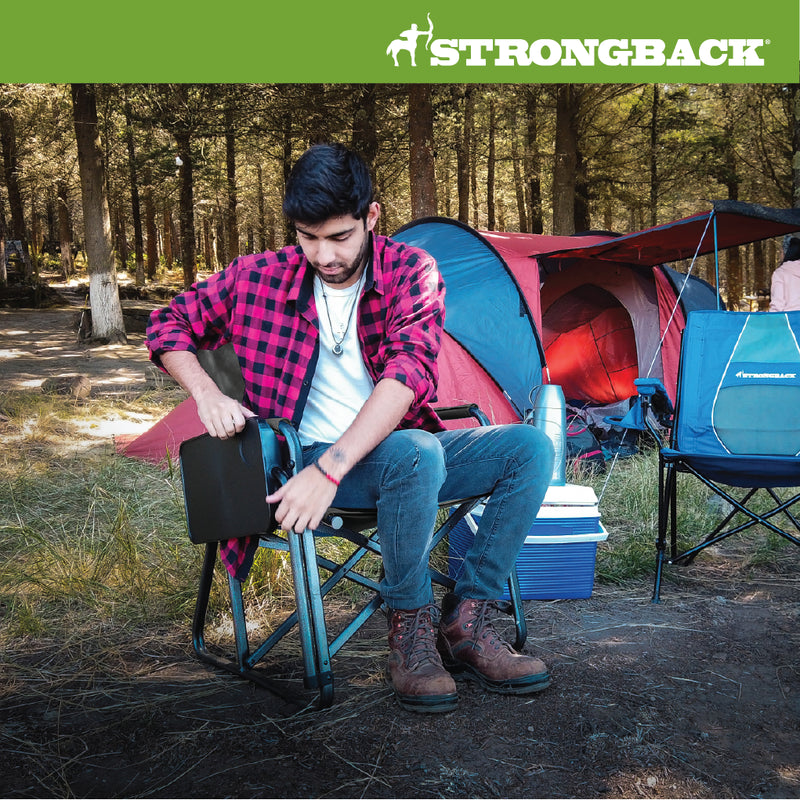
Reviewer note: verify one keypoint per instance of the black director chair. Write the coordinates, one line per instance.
(225, 483)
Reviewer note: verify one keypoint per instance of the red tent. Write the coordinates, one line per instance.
(603, 308)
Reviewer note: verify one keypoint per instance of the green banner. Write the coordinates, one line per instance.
(441, 41)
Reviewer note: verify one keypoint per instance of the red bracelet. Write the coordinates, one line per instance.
(329, 477)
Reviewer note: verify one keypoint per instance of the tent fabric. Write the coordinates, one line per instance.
(500, 289)
(162, 442)
(729, 223)
(671, 323)
(486, 308)
(596, 359)
(463, 380)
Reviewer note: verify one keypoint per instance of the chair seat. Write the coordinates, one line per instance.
(739, 470)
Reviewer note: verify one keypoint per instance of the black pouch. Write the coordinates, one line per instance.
(226, 482)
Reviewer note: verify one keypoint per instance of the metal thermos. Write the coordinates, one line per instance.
(549, 414)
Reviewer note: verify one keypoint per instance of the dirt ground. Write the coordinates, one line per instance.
(698, 696)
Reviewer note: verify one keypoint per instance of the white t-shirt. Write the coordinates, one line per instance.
(341, 383)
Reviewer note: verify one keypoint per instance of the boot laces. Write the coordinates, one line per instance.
(415, 636)
(481, 622)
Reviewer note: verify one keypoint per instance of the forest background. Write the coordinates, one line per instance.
(144, 178)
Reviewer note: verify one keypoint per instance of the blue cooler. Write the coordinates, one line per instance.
(557, 560)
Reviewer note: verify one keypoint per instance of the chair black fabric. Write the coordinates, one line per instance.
(734, 427)
(247, 466)
(241, 480)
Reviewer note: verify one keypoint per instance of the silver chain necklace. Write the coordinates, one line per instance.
(337, 348)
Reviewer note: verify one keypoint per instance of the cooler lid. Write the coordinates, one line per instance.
(570, 494)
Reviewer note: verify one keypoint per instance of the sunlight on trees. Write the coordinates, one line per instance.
(194, 173)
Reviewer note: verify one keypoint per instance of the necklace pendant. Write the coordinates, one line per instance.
(337, 349)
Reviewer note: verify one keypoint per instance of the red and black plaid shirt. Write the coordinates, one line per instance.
(263, 305)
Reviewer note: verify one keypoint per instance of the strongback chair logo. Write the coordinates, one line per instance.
(566, 52)
(741, 374)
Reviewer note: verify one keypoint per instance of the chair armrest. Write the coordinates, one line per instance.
(651, 403)
(463, 412)
(651, 388)
(289, 433)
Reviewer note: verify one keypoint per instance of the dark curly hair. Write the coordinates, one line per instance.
(328, 180)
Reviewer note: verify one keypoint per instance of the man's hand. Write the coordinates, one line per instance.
(303, 500)
(222, 416)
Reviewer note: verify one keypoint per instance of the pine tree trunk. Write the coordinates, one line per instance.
(186, 214)
(8, 144)
(470, 150)
(151, 265)
(462, 153)
(208, 253)
(760, 277)
(582, 220)
(169, 256)
(230, 164)
(289, 233)
(731, 180)
(519, 179)
(490, 209)
(136, 211)
(64, 231)
(654, 179)
(795, 100)
(365, 136)
(533, 163)
(565, 167)
(262, 222)
(107, 321)
(422, 173)
(3, 235)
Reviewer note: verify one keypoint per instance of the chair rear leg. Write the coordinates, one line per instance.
(520, 623)
(667, 488)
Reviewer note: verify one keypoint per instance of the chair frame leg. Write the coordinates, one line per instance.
(309, 616)
(667, 518)
(667, 504)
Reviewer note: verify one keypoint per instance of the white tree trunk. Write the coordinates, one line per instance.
(107, 321)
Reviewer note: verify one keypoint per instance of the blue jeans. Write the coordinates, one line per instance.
(412, 471)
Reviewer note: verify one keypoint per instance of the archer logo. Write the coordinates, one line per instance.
(407, 41)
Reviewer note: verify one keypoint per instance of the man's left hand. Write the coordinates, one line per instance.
(303, 500)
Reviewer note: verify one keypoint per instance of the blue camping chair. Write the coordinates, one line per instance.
(225, 483)
(735, 425)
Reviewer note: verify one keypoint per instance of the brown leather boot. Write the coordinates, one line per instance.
(472, 649)
(415, 669)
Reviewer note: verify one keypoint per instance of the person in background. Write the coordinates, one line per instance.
(785, 289)
(340, 335)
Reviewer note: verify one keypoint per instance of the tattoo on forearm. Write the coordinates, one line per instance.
(337, 455)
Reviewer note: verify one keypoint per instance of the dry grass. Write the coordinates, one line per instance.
(97, 577)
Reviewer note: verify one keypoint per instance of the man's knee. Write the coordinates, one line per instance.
(533, 446)
(417, 452)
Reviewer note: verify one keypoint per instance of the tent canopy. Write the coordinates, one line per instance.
(491, 351)
(728, 224)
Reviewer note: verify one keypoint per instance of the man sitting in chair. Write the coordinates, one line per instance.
(340, 335)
